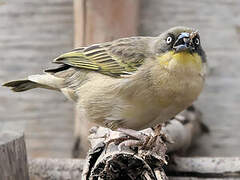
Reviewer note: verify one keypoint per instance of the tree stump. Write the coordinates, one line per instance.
(106, 161)
(13, 157)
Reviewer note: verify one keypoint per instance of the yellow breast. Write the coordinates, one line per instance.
(188, 61)
(179, 78)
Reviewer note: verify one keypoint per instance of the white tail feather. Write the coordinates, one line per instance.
(47, 80)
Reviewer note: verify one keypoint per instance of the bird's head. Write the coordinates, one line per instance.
(181, 44)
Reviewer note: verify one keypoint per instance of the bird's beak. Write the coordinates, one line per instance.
(184, 42)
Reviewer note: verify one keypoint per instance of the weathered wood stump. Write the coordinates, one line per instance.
(13, 157)
(109, 161)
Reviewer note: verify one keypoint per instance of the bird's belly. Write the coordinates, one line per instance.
(140, 116)
(164, 105)
(148, 115)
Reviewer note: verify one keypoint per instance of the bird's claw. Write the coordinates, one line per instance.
(139, 139)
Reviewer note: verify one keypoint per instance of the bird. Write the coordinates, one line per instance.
(133, 83)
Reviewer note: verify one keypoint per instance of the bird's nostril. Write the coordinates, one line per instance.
(186, 40)
(179, 42)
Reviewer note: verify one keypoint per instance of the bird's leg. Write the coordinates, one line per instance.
(130, 143)
(137, 135)
(130, 138)
(118, 140)
(140, 139)
(158, 132)
(133, 138)
(136, 138)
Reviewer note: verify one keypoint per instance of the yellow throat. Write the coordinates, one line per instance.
(184, 59)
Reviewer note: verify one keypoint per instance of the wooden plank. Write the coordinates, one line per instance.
(206, 165)
(79, 7)
(43, 168)
(13, 156)
(203, 167)
(58, 169)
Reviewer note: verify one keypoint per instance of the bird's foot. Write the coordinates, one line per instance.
(139, 139)
(129, 138)
(134, 139)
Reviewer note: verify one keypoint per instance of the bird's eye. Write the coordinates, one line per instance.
(197, 41)
(169, 39)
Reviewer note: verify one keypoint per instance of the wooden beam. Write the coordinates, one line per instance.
(194, 168)
(13, 157)
(79, 7)
(218, 167)
(48, 169)
(99, 21)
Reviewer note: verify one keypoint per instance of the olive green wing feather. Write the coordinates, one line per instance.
(120, 57)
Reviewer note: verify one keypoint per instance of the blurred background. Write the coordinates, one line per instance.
(34, 32)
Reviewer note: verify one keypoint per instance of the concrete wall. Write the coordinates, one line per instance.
(32, 33)
(219, 25)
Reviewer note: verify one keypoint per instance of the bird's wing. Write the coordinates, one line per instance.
(116, 58)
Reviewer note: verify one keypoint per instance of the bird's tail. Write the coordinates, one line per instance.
(21, 85)
(46, 81)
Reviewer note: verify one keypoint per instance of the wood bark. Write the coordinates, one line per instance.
(13, 157)
(112, 161)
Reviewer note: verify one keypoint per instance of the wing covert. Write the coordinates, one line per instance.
(120, 57)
